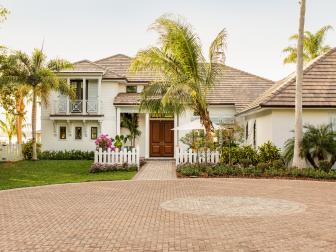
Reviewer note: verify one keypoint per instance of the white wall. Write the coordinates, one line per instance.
(276, 124)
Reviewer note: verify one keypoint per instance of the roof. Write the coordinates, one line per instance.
(86, 66)
(318, 90)
(120, 64)
(234, 86)
(127, 99)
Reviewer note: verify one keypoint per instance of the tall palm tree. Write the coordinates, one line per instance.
(184, 75)
(297, 159)
(9, 126)
(39, 75)
(313, 46)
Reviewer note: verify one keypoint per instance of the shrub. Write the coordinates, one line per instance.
(27, 150)
(104, 141)
(98, 167)
(278, 164)
(268, 152)
(245, 162)
(262, 167)
(66, 155)
(324, 165)
(235, 155)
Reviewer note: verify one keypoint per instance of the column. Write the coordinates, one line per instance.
(84, 96)
(99, 102)
(147, 125)
(67, 100)
(118, 121)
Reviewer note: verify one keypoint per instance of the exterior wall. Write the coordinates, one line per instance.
(276, 125)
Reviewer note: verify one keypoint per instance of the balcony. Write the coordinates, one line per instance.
(77, 107)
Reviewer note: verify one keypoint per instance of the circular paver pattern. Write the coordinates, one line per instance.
(233, 206)
(128, 216)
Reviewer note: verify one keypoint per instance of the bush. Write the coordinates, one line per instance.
(268, 153)
(236, 154)
(262, 170)
(324, 165)
(245, 162)
(262, 166)
(98, 167)
(27, 150)
(67, 155)
(278, 164)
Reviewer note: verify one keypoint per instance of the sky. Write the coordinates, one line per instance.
(258, 30)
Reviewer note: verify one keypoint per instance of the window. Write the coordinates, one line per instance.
(131, 89)
(94, 133)
(246, 131)
(62, 132)
(78, 132)
(255, 134)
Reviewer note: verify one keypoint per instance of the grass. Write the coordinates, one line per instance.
(47, 172)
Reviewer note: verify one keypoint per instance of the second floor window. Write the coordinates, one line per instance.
(131, 89)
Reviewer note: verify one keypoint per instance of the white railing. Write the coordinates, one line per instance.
(118, 157)
(11, 152)
(66, 107)
(191, 156)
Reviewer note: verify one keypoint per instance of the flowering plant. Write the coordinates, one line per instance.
(104, 141)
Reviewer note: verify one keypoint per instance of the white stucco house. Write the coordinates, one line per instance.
(105, 89)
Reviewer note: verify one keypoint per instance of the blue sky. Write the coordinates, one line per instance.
(258, 30)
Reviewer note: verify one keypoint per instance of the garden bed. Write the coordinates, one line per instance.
(223, 171)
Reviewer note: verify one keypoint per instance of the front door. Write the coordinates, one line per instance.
(161, 138)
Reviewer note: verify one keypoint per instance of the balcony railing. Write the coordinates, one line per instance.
(72, 107)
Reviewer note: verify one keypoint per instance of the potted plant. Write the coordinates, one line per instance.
(104, 141)
(119, 141)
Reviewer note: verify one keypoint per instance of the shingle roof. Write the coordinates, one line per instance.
(127, 99)
(86, 66)
(237, 87)
(120, 63)
(319, 86)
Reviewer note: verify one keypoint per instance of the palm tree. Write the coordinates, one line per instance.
(297, 160)
(313, 46)
(39, 75)
(319, 143)
(131, 122)
(184, 76)
(9, 126)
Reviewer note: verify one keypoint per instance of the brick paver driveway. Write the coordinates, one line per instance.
(141, 216)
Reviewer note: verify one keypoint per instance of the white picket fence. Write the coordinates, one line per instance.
(190, 156)
(118, 157)
(11, 152)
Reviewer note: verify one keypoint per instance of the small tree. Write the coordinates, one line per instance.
(131, 122)
(9, 126)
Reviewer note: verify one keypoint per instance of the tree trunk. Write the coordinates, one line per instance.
(20, 107)
(207, 123)
(34, 125)
(297, 160)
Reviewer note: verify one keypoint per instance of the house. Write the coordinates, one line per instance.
(105, 89)
(271, 115)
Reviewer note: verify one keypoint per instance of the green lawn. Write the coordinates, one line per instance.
(46, 172)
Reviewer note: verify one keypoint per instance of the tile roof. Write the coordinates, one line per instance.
(319, 86)
(120, 63)
(127, 99)
(86, 66)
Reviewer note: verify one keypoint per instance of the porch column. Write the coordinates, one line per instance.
(147, 135)
(67, 100)
(176, 133)
(118, 121)
(84, 96)
(98, 96)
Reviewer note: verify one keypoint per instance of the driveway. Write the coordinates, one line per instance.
(171, 215)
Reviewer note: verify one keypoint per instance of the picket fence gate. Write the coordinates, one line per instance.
(118, 157)
(190, 156)
(11, 152)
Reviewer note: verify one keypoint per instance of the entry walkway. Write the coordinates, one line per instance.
(157, 170)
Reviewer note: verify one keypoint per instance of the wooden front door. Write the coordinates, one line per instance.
(161, 138)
